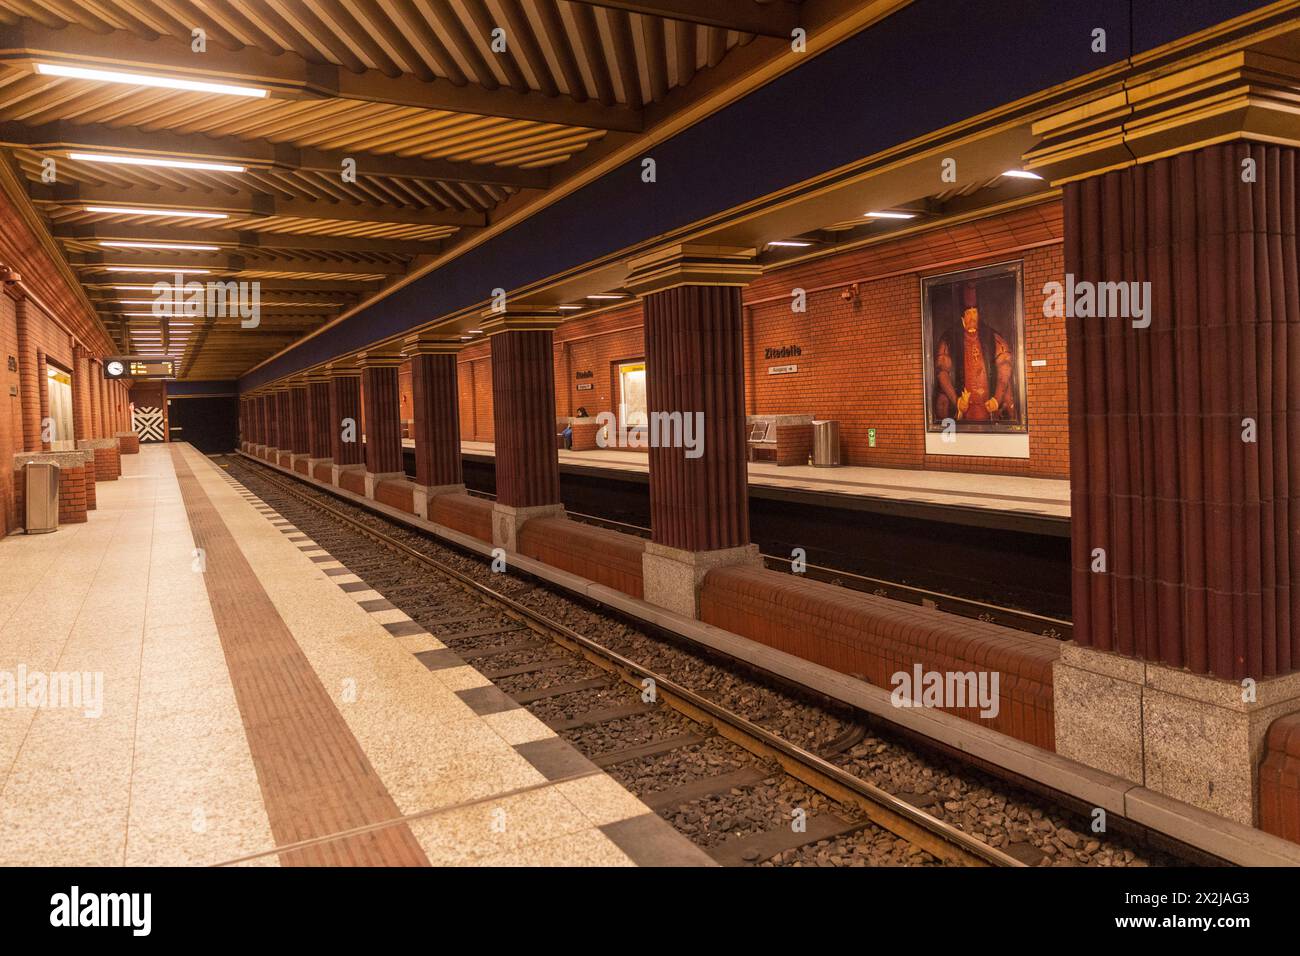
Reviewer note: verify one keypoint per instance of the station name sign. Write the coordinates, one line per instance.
(785, 351)
(139, 366)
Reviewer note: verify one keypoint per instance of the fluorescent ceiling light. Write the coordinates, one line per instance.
(171, 246)
(1021, 174)
(570, 308)
(161, 213)
(155, 161)
(890, 215)
(169, 270)
(606, 295)
(793, 243)
(144, 79)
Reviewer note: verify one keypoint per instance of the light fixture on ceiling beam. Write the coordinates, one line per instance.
(1021, 174)
(606, 295)
(159, 213)
(886, 214)
(570, 308)
(790, 243)
(169, 270)
(161, 162)
(163, 246)
(147, 79)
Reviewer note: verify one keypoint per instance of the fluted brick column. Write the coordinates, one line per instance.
(281, 423)
(383, 413)
(523, 415)
(435, 410)
(435, 398)
(43, 401)
(318, 418)
(345, 406)
(695, 382)
(1184, 428)
(298, 408)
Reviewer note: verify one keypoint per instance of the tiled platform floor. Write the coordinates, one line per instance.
(1039, 497)
(260, 706)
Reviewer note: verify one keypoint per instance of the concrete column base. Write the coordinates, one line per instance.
(297, 457)
(672, 577)
(313, 462)
(336, 470)
(426, 493)
(374, 478)
(1194, 738)
(506, 522)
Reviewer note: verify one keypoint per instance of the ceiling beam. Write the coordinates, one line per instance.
(97, 262)
(290, 76)
(244, 239)
(337, 287)
(774, 19)
(261, 154)
(244, 203)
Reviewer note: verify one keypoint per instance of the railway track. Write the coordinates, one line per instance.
(742, 792)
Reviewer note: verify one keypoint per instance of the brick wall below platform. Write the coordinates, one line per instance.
(599, 554)
(875, 638)
(463, 513)
(396, 494)
(1279, 779)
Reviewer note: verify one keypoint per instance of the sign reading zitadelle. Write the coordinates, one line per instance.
(139, 366)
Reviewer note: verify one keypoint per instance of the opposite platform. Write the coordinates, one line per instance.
(241, 698)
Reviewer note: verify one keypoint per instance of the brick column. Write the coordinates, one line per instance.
(298, 426)
(436, 413)
(30, 385)
(383, 414)
(345, 421)
(280, 421)
(81, 427)
(43, 400)
(523, 414)
(695, 376)
(1184, 429)
(318, 423)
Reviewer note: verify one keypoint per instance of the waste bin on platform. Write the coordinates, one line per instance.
(41, 496)
(826, 443)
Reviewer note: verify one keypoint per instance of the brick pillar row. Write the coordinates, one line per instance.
(298, 405)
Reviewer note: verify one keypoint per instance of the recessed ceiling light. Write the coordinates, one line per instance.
(1021, 174)
(155, 161)
(570, 308)
(170, 270)
(793, 243)
(168, 246)
(145, 79)
(890, 215)
(606, 295)
(161, 213)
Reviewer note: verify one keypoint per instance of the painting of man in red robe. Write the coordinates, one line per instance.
(973, 326)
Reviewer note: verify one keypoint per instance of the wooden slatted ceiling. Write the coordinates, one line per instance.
(443, 129)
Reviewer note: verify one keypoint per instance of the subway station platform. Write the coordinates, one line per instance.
(1038, 503)
(222, 692)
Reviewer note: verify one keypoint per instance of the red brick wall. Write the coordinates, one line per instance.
(396, 494)
(1279, 779)
(861, 362)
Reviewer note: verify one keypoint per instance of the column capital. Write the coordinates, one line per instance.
(379, 358)
(429, 344)
(315, 376)
(521, 318)
(342, 368)
(1242, 95)
(691, 263)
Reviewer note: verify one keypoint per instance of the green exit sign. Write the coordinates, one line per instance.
(871, 438)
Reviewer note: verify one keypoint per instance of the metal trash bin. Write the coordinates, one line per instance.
(826, 443)
(41, 496)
